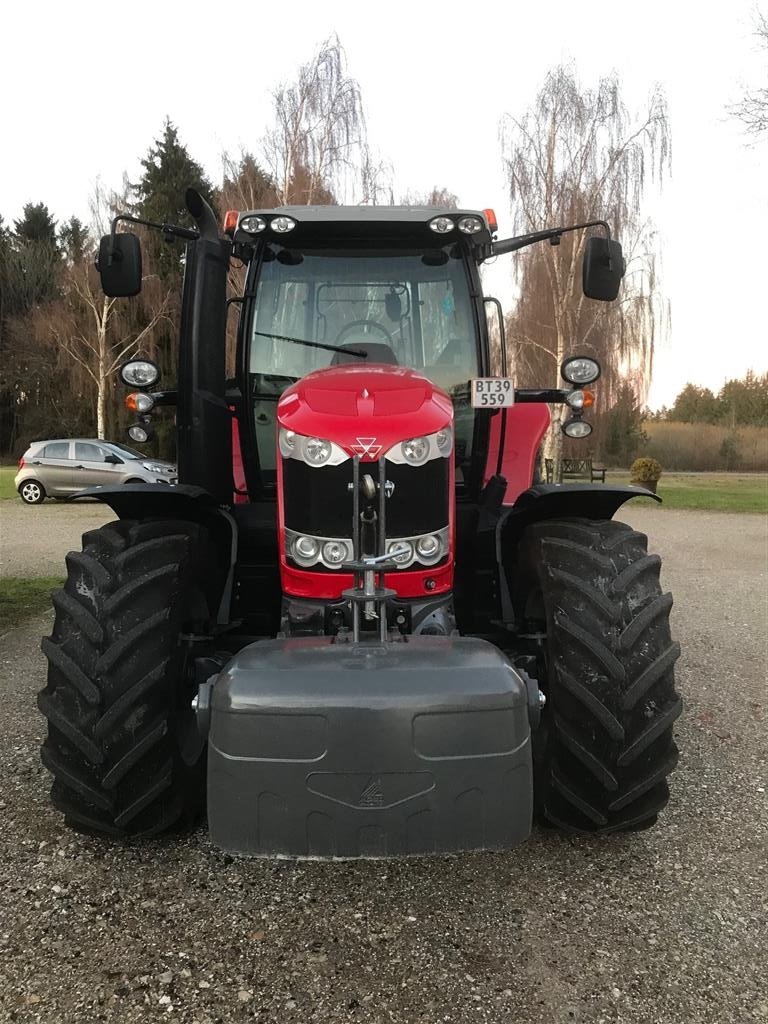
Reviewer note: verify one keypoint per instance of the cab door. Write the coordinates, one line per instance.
(56, 468)
(90, 467)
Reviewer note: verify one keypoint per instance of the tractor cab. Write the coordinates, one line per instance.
(333, 287)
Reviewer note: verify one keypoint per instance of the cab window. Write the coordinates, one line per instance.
(57, 450)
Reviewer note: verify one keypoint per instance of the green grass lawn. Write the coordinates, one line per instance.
(716, 492)
(713, 492)
(22, 598)
(7, 473)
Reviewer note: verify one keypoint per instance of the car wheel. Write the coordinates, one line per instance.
(32, 492)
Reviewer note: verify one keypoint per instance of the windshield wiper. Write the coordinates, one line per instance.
(313, 344)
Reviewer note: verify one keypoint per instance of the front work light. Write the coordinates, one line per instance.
(281, 224)
(580, 370)
(139, 373)
(253, 225)
(442, 225)
(470, 225)
(576, 428)
(139, 433)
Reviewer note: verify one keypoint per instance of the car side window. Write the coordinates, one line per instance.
(57, 450)
(89, 452)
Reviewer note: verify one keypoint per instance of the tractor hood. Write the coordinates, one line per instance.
(364, 409)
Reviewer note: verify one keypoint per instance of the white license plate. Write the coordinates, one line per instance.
(492, 392)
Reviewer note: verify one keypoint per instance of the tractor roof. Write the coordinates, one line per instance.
(326, 224)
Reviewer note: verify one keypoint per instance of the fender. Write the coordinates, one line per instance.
(552, 501)
(177, 501)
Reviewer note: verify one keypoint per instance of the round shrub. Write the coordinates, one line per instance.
(645, 470)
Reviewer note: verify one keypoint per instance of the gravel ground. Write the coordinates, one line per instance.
(668, 926)
(35, 538)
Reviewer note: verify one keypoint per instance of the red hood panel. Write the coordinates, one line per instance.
(384, 403)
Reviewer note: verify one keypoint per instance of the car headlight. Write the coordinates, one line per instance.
(580, 370)
(426, 549)
(336, 551)
(155, 467)
(418, 450)
(305, 550)
(401, 551)
(317, 451)
(314, 451)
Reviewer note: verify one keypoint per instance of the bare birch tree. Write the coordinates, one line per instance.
(85, 326)
(96, 332)
(577, 155)
(752, 109)
(318, 142)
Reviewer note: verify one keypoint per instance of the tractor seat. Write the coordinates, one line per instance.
(377, 352)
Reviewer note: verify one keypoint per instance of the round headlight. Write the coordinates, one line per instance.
(576, 399)
(404, 550)
(305, 549)
(428, 548)
(138, 433)
(442, 225)
(282, 224)
(580, 370)
(317, 451)
(335, 552)
(286, 442)
(577, 428)
(252, 224)
(444, 439)
(470, 225)
(415, 451)
(139, 373)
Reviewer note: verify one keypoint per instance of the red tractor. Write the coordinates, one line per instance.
(357, 622)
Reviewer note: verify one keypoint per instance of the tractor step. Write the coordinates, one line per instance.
(331, 749)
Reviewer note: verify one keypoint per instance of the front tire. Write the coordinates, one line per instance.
(122, 744)
(32, 492)
(605, 746)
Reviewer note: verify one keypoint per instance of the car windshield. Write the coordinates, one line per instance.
(127, 453)
(412, 309)
(405, 308)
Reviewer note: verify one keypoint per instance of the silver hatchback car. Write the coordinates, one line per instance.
(56, 469)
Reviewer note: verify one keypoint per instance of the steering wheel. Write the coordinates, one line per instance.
(345, 331)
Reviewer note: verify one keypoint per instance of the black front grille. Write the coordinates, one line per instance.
(317, 500)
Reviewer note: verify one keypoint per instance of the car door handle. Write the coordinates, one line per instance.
(79, 467)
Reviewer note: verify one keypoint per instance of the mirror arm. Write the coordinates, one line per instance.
(551, 234)
(174, 230)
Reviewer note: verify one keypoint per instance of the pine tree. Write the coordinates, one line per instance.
(169, 171)
(73, 236)
(37, 225)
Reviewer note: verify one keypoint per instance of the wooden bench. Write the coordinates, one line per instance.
(574, 469)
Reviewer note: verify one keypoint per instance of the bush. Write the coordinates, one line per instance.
(699, 447)
(645, 470)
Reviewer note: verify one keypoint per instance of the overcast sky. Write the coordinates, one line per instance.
(85, 87)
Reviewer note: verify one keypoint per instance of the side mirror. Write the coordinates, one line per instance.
(114, 460)
(603, 268)
(119, 265)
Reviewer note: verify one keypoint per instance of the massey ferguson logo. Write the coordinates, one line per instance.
(366, 446)
(372, 795)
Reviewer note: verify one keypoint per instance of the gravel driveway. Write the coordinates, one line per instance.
(668, 926)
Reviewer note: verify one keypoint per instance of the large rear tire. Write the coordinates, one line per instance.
(122, 745)
(605, 746)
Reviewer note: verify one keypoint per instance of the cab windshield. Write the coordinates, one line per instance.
(314, 309)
